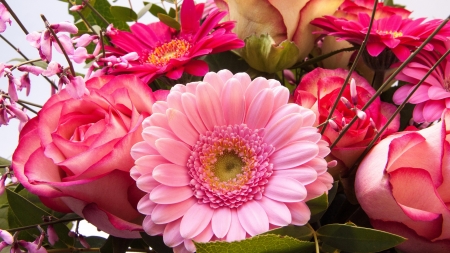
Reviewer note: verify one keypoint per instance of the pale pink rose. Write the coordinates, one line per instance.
(75, 155)
(319, 89)
(282, 20)
(403, 186)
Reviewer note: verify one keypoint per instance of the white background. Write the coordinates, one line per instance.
(55, 11)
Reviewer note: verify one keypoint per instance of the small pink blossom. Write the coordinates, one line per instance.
(84, 40)
(64, 27)
(80, 55)
(4, 18)
(20, 115)
(76, 87)
(53, 68)
(52, 236)
(32, 247)
(66, 42)
(34, 38)
(2, 185)
(35, 70)
(76, 8)
(45, 46)
(6, 236)
(25, 83)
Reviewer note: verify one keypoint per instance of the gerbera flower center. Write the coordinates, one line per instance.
(230, 166)
(175, 48)
(394, 34)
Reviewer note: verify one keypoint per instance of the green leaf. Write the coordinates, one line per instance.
(259, 244)
(123, 13)
(23, 212)
(169, 21)
(144, 10)
(4, 162)
(357, 239)
(172, 13)
(4, 212)
(226, 60)
(156, 243)
(156, 9)
(303, 233)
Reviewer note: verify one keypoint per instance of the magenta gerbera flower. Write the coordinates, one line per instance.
(227, 158)
(400, 35)
(433, 95)
(165, 51)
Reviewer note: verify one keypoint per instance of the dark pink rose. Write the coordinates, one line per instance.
(75, 155)
(319, 89)
(403, 186)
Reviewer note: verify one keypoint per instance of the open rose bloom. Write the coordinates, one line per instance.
(75, 155)
(403, 186)
(226, 159)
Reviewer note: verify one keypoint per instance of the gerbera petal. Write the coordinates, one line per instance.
(300, 213)
(196, 220)
(276, 211)
(285, 189)
(190, 108)
(152, 228)
(145, 205)
(171, 175)
(236, 232)
(209, 107)
(167, 213)
(233, 102)
(163, 194)
(294, 154)
(304, 174)
(181, 126)
(253, 218)
(166, 146)
(260, 109)
(171, 234)
(221, 221)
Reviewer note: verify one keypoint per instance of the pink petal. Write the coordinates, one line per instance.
(209, 107)
(152, 228)
(145, 205)
(294, 154)
(171, 175)
(182, 127)
(277, 212)
(236, 232)
(196, 220)
(260, 109)
(167, 213)
(166, 147)
(171, 234)
(300, 213)
(163, 194)
(190, 108)
(253, 218)
(304, 174)
(233, 102)
(221, 221)
(285, 189)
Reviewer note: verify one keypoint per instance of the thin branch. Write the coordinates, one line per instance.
(24, 102)
(322, 57)
(12, 230)
(47, 25)
(15, 16)
(360, 52)
(26, 58)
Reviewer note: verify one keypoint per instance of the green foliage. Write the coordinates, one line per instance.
(262, 54)
(4, 162)
(226, 60)
(123, 13)
(156, 243)
(266, 243)
(155, 9)
(169, 21)
(319, 205)
(302, 233)
(350, 238)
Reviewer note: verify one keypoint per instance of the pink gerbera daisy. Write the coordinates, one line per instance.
(226, 159)
(433, 95)
(163, 50)
(400, 35)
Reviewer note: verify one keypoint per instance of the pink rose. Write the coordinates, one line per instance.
(403, 186)
(75, 155)
(319, 89)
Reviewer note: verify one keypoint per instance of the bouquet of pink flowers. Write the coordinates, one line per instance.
(229, 126)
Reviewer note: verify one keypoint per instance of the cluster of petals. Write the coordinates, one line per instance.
(350, 9)
(399, 34)
(44, 41)
(4, 18)
(227, 158)
(433, 95)
(165, 51)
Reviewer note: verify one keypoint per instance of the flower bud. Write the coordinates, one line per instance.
(64, 27)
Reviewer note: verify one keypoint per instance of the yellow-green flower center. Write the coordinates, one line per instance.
(228, 166)
(171, 50)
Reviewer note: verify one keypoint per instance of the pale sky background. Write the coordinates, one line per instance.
(55, 11)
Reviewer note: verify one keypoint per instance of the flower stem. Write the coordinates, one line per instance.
(378, 78)
(96, 12)
(14, 16)
(24, 102)
(47, 25)
(316, 242)
(322, 57)
(388, 81)
(12, 230)
(26, 62)
(360, 52)
(26, 58)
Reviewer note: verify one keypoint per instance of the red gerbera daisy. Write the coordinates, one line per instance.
(400, 35)
(162, 50)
